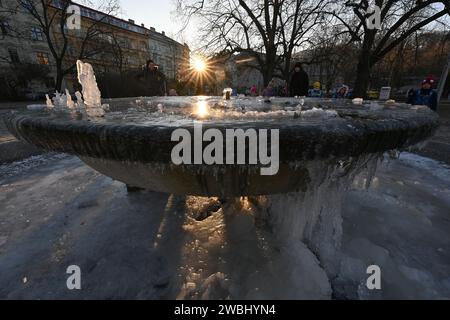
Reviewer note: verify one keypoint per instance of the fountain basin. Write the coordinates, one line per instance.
(132, 143)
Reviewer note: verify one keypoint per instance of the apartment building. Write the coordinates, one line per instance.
(110, 44)
(172, 57)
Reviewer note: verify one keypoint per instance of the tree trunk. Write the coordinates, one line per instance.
(59, 77)
(266, 77)
(362, 75)
(287, 69)
(269, 66)
(365, 64)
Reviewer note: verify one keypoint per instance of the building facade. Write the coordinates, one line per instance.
(23, 53)
(172, 57)
(110, 44)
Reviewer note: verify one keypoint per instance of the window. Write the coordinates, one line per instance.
(107, 37)
(4, 27)
(58, 4)
(14, 56)
(42, 58)
(126, 43)
(36, 34)
(84, 12)
(27, 6)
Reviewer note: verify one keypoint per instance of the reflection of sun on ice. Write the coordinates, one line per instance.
(229, 252)
(201, 109)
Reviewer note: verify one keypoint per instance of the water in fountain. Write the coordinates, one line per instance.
(174, 111)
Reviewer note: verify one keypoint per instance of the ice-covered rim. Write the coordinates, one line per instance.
(140, 129)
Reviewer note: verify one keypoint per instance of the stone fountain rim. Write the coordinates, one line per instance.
(150, 144)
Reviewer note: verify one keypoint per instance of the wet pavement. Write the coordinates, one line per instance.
(439, 146)
(10, 148)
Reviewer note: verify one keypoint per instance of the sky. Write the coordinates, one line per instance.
(159, 14)
(155, 13)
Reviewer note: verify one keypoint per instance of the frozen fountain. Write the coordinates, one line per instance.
(91, 105)
(323, 146)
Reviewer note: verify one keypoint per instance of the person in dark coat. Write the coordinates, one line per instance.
(426, 95)
(299, 85)
(152, 82)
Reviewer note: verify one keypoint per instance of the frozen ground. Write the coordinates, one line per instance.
(56, 212)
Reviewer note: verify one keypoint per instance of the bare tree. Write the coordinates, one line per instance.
(399, 19)
(333, 54)
(423, 54)
(52, 17)
(269, 30)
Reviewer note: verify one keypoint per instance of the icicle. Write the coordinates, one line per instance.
(69, 101)
(80, 102)
(49, 102)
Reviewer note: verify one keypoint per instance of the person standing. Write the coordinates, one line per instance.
(269, 91)
(152, 81)
(426, 95)
(299, 84)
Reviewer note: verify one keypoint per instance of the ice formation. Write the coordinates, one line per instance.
(91, 93)
(275, 247)
(63, 102)
(60, 101)
(319, 113)
(80, 102)
(298, 235)
(230, 255)
(91, 104)
(314, 216)
(227, 93)
(69, 101)
(49, 102)
(36, 107)
(182, 110)
(202, 248)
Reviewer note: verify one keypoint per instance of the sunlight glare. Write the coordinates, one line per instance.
(199, 64)
(202, 109)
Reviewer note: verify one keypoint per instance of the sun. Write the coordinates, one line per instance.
(199, 64)
(201, 72)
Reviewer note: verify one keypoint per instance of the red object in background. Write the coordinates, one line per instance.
(431, 79)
